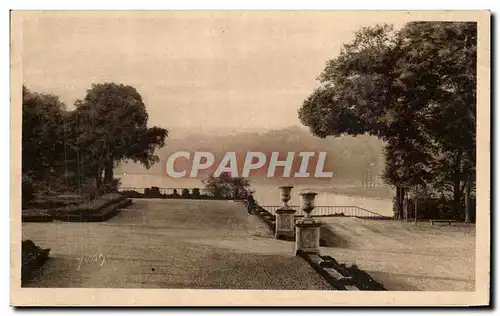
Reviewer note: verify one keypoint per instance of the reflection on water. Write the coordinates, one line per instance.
(267, 194)
(270, 195)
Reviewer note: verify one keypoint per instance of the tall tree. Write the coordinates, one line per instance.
(415, 89)
(42, 135)
(112, 127)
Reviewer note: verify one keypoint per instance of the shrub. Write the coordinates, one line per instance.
(131, 194)
(90, 190)
(196, 193)
(226, 186)
(153, 192)
(111, 187)
(185, 193)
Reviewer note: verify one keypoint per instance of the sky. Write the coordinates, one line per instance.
(195, 70)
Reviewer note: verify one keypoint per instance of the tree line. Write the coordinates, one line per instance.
(76, 150)
(415, 89)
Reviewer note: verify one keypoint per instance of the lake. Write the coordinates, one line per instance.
(267, 194)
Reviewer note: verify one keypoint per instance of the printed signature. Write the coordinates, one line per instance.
(87, 259)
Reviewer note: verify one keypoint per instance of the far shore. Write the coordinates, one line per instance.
(382, 193)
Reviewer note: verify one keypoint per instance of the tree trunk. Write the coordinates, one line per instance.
(396, 211)
(467, 203)
(457, 197)
(98, 178)
(415, 203)
(405, 206)
(108, 172)
(399, 202)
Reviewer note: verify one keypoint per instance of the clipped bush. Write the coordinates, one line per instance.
(90, 190)
(33, 257)
(131, 194)
(196, 193)
(111, 187)
(153, 192)
(185, 193)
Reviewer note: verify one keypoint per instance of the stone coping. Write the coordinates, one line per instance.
(340, 276)
(101, 210)
(33, 257)
(302, 223)
(286, 211)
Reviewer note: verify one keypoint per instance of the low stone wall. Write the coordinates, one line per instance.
(100, 209)
(156, 194)
(340, 276)
(33, 257)
(266, 217)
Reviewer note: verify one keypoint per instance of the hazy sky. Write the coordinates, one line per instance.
(198, 70)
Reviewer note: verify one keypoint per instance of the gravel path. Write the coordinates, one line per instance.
(170, 244)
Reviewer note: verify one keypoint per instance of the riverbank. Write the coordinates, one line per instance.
(359, 191)
(267, 193)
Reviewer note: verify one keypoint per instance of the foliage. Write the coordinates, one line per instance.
(27, 192)
(112, 127)
(42, 141)
(70, 150)
(185, 193)
(226, 186)
(413, 88)
(196, 192)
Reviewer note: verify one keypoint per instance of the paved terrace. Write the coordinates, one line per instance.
(170, 244)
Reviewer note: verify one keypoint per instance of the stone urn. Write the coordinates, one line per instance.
(308, 203)
(286, 196)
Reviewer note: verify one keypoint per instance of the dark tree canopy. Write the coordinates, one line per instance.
(42, 144)
(415, 89)
(76, 147)
(112, 124)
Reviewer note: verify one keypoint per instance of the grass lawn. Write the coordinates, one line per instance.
(407, 257)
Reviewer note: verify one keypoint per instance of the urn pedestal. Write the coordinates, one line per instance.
(285, 216)
(285, 224)
(307, 236)
(307, 230)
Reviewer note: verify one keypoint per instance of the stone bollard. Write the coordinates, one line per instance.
(285, 216)
(307, 229)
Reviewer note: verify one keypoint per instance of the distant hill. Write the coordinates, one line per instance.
(347, 156)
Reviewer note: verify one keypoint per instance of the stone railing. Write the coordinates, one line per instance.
(301, 225)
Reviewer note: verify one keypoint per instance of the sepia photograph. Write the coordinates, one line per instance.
(158, 156)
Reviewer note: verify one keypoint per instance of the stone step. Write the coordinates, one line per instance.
(339, 277)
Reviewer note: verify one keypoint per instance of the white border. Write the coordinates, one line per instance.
(154, 5)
